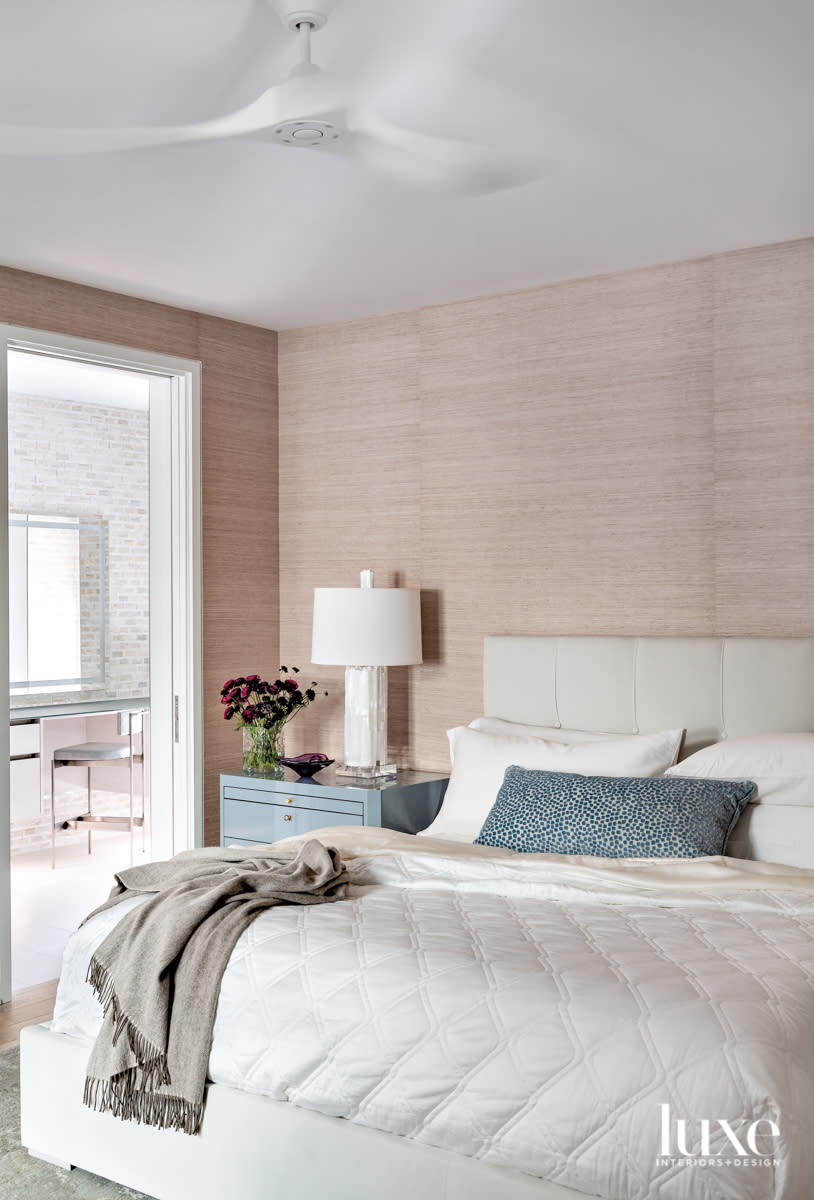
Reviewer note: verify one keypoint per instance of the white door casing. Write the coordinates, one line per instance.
(175, 657)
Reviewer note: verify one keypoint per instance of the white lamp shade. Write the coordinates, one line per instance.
(366, 627)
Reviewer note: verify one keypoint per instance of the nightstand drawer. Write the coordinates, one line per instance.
(295, 800)
(263, 822)
(230, 841)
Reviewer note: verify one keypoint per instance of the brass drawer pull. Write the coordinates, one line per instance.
(287, 817)
(289, 799)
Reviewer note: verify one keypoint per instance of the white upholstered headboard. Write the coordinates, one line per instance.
(713, 687)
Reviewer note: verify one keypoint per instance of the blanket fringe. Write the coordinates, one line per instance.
(151, 1059)
(122, 1098)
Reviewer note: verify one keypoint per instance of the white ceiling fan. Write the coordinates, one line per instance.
(312, 109)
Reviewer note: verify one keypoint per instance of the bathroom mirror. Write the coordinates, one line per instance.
(56, 603)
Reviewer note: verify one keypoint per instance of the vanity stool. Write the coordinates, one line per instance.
(88, 754)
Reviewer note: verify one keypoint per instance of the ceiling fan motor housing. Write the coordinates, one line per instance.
(305, 133)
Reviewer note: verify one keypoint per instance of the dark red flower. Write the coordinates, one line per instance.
(254, 700)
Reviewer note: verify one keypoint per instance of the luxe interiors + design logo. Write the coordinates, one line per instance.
(690, 1143)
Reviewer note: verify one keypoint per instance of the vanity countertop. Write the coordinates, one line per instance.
(78, 708)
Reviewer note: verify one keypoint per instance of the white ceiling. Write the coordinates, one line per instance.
(669, 129)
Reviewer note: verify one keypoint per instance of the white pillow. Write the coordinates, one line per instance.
(774, 833)
(481, 760)
(552, 733)
(781, 764)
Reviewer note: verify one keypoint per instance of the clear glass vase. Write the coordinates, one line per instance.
(262, 750)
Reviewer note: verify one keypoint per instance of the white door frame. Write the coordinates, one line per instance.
(176, 666)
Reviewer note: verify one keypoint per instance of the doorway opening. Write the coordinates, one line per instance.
(104, 631)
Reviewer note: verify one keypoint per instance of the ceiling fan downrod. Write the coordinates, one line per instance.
(304, 22)
(304, 43)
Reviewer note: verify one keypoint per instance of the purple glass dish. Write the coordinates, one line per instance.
(307, 765)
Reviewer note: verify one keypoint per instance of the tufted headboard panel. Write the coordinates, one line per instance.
(713, 687)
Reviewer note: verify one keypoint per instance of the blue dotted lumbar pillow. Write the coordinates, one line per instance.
(556, 813)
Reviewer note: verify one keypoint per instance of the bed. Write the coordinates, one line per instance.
(626, 970)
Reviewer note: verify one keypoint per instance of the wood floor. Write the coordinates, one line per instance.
(26, 1007)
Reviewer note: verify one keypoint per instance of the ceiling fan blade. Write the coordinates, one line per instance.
(306, 94)
(442, 163)
(32, 141)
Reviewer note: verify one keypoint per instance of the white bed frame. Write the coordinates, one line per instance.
(261, 1149)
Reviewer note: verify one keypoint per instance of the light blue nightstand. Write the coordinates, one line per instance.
(255, 810)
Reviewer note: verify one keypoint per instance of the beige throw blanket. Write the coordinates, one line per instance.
(158, 973)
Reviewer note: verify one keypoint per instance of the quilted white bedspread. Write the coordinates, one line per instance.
(535, 1012)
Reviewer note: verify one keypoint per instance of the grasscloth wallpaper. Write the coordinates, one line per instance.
(628, 454)
(239, 372)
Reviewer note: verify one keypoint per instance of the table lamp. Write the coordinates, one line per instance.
(366, 630)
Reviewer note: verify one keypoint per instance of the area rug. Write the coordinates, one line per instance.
(26, 1178)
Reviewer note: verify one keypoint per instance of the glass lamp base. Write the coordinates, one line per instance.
(366, 725)
(347, 771)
